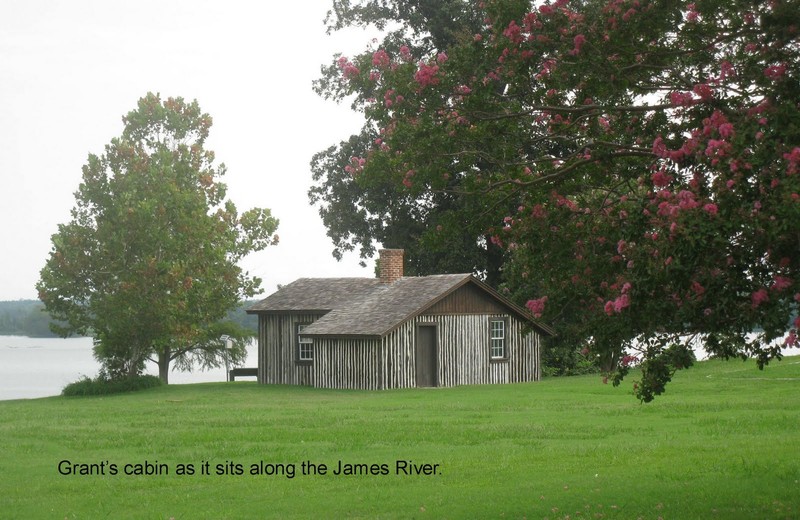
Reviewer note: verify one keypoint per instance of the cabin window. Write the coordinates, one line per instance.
(305, 345)
(497, 339)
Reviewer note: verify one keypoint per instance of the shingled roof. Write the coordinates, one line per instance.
(316, 294)
(367, 307)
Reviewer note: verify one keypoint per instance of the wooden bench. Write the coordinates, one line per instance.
(242, 372)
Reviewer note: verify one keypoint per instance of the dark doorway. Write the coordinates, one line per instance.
(426, 355)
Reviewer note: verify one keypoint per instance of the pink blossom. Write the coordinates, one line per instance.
(380, 58)
(348, 69)
(659, 148)
(726, 69)
(513, 32)
(758, 297)
(660, 179)
(426, 75)
(537, 306)
(405, 53)
(628, 14)
(687, 200)
(794, 161)
(623, 301)
(780, 283)
(579, 40)
(726, 130)
(711, 208)
(681, 99)
(692, 15)
(704, 91)
(775, 72)
(441, 57)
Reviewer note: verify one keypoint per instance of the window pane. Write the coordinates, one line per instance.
(498, 339)
(305, 345)
(498, 329)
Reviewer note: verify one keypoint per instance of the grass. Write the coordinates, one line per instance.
(723, 442)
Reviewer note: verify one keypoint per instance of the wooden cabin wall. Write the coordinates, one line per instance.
(397, 352)
(347, 363)
(464, 354)
(277, 338)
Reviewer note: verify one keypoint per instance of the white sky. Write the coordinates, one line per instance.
(69, 71)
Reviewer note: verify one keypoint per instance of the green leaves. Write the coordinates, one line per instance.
(148, 263)
(637, 163)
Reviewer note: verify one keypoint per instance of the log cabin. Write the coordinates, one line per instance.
(395, 331)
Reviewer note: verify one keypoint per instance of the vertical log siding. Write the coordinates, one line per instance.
(347, 363)
(277, 345)
(463, 354)
(464, 351)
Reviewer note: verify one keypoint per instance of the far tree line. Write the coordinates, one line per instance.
(30, 318)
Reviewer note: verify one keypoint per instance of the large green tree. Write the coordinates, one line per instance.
(641, 160)
(148, 262)
(359, 211)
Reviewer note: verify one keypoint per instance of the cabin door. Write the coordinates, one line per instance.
(426, 355)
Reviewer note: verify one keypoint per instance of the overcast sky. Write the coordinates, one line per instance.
(69, 71)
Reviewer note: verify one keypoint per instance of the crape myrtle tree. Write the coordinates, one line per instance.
(148, 263)
(641, 160)
(359, 211)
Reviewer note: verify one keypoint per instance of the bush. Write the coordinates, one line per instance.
(103, 386)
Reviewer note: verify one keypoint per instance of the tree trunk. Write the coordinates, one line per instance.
(163, 365)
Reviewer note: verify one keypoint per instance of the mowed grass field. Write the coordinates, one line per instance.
(723, 442)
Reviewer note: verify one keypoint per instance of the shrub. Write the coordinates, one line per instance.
(103, 386)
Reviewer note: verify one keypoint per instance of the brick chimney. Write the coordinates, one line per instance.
(390, 265)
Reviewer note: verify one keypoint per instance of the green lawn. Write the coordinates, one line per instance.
(724, 442)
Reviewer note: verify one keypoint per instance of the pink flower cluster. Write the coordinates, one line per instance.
(682, 99)
(537, 306)
(794, 161)
(426, 75)
(620, 303)
(381, 59)
(389, 98)
(348, 68)
(356, 166)
(758, 297)
(775, 72)
(692, 15)
(780, 283)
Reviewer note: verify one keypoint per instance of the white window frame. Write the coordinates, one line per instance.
(498, 343)
(305, 346)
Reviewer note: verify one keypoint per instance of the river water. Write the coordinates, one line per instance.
(42, 367)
